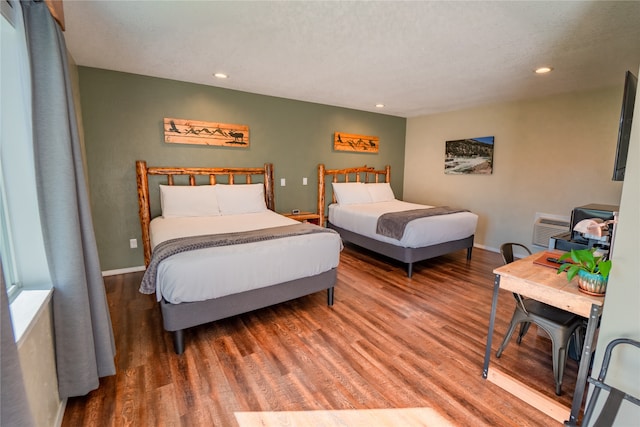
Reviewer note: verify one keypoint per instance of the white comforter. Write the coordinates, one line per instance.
(219, 271)
(363, 218)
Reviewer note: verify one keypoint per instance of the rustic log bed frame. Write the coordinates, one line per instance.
(367, 174)
(177, 317)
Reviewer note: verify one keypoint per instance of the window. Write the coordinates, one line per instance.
(6, 241)
(21, 244)
(6, 247)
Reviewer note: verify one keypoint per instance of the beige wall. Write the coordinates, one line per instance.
(551, 155)
(621, 316)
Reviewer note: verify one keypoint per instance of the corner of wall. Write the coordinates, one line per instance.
(37, 358)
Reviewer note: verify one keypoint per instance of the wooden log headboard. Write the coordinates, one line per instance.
(144, 204)
(357, 174)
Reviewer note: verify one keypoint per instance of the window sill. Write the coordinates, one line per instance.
(26, 308)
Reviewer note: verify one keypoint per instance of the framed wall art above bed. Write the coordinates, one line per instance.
(357, 143)
(181, 131)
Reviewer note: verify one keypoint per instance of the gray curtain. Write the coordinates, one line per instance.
(84, 341)
(13, 397)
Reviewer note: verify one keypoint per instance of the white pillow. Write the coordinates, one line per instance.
(241, 198)
(349, 193)
(381, 192)
(188, 200)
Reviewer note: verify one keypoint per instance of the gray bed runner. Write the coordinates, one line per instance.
(392, 224)
(175, 246)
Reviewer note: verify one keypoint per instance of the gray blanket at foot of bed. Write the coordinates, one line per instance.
(175, 246)
(392, 224)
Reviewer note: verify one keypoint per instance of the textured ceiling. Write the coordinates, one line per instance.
(417, 57)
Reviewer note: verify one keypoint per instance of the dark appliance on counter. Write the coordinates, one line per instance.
(578, 238)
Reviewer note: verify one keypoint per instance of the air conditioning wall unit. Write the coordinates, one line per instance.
(545, 227)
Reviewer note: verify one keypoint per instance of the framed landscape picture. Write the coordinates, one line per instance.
(469, 156)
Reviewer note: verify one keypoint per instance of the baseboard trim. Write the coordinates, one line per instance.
(488, 248)
(60, 414)
(123, 271)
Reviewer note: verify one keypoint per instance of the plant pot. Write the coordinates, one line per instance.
(592, 284)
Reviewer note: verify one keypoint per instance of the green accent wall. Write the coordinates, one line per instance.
(123, 114)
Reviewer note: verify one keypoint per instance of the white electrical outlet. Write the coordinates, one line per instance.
(133, 243)
(304, 181)
(283, 182)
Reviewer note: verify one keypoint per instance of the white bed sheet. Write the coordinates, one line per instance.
(363, 219)
(219, 271)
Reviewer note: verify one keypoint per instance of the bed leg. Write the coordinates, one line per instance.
(409, 269)
(178, 341)
(469, 249)
(330, 296)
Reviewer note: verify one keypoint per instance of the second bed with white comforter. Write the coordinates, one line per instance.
(366, 213)
(362, 218)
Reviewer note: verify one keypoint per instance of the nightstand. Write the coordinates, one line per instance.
(304, 217)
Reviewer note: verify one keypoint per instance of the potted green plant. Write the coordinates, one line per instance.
(592, 270)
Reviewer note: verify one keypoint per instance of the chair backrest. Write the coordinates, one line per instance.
(615, 396)
(506, 250)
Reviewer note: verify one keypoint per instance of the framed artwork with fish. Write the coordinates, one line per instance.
(358, 143)
(181, 131)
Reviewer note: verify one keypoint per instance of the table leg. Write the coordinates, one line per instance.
(585, 364)
(492, 319)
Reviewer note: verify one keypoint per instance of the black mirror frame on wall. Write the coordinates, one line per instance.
(624, 131)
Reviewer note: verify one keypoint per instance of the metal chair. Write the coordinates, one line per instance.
(560, 325)
(615, 397)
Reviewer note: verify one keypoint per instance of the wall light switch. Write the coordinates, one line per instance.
(133, 243)
(283, 182)
(304, 181)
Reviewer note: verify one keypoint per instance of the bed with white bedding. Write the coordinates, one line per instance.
(186, 276)
(360, 196)
(210, 280)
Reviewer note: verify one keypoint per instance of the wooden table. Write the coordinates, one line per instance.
(544, 284)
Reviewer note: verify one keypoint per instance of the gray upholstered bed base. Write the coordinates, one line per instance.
(406, 255)
(177, 317)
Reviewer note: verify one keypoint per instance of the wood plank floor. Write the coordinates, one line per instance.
(388, 342)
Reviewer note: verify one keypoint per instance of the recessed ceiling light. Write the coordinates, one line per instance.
(379, 105)
(543, 70)
(220, 75)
